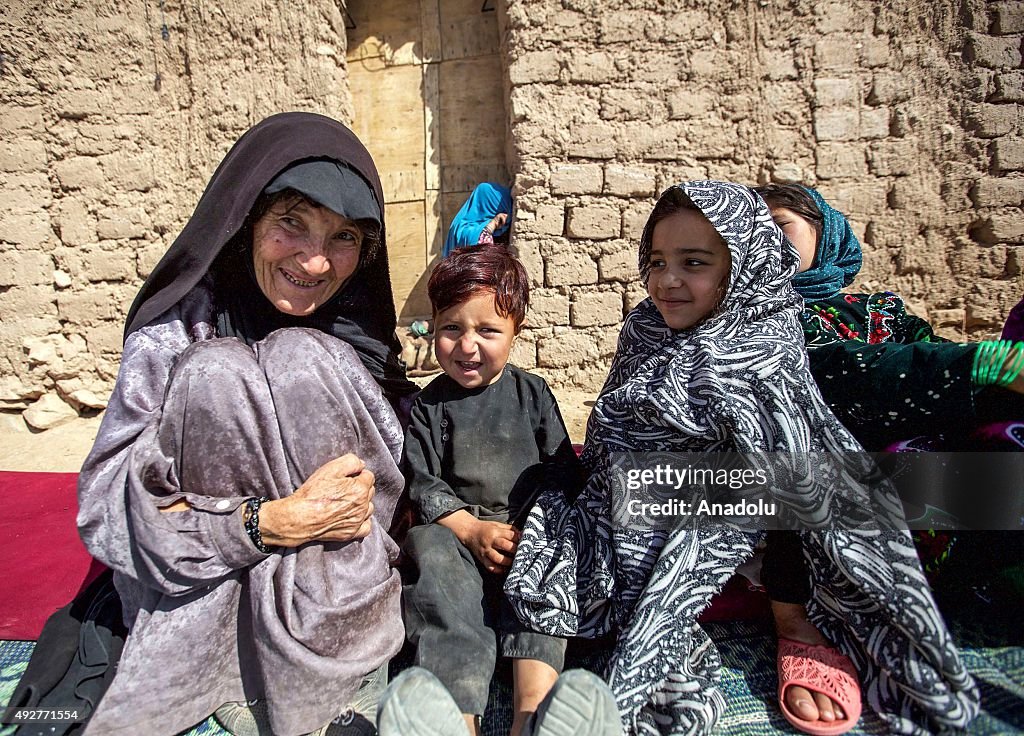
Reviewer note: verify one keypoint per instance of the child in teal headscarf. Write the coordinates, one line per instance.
(483, 218)
(884, 372)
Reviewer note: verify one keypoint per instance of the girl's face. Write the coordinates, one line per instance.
(303, 254)
(689, 268)
(800, 232)
(472, 341)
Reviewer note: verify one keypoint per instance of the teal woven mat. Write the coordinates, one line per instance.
(748, 683)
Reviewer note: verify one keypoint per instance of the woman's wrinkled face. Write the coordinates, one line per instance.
(303, 254)
(689, 268)
(800, 232)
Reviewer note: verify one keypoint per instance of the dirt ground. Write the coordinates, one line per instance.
(62, 449)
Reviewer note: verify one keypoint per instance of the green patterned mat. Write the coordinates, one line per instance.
(748, 683)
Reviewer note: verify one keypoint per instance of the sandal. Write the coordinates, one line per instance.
(821, 669)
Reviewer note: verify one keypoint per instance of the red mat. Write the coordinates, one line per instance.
(44, 563)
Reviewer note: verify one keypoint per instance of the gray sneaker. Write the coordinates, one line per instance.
(417, 704)
(579, 704)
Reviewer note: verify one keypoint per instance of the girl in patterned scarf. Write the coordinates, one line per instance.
(713, 361)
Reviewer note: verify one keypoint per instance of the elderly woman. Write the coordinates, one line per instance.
(245, 474)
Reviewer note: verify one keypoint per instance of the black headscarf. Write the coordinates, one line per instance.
(362, 313)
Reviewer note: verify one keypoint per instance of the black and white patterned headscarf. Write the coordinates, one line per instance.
(738, 381)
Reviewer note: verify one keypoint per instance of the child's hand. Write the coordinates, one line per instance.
(492, 543)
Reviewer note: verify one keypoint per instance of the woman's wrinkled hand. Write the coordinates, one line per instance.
(335, 504)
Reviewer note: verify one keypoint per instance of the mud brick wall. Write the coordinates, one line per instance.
(906, 115)
(112, 117)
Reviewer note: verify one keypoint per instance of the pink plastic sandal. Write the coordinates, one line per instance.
(823, 670)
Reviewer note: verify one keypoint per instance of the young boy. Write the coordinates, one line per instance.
(482, 441)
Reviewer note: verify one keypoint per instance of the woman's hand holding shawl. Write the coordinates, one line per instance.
(335, 504)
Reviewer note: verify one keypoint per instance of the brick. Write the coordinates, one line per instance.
(14, 119)
(29, 230)
(909, 193)
(874, 123)
(535, 66)
(627, 181)
(888, 88)
(681, 24)
(96, 140)
(840, 160)
(530, 256)
(835, 52)
(1009, 87)
(999, 227)
(130, 172)
(567, 268)
(835, 18)
(654, 70)
(123, 222)
(1008, 154)
(105, 338)
(80, 103)
(577, 179)
(566, 348)
(595, 308)
(91, 305)
(635, 293)
(596, 221)
(684, 104)
(589, 141)
(568, 25)
(80, 172)
(993, 52)
(524, 350)
(22, 154)
(618, 265)
(836, 93)
(715, 63)
(836, 125)
(892, 158)
(778, 65)
(635, 217)
(630, 104)
(74, 223)
(549, 307)
(992, 121)
(26, 193)
(549, 219)
(620, 28)
(28, 268)
(875, 51)
(789, 172)
(97, 264)
(998, 192)
(1007, 17)
(18, 301)
(868, 199)
(595, 67)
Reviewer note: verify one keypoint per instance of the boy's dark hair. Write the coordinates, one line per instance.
(671, 201)
(476, 269)
(796, 199)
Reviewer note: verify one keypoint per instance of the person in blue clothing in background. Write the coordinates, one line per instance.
(485, 217)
